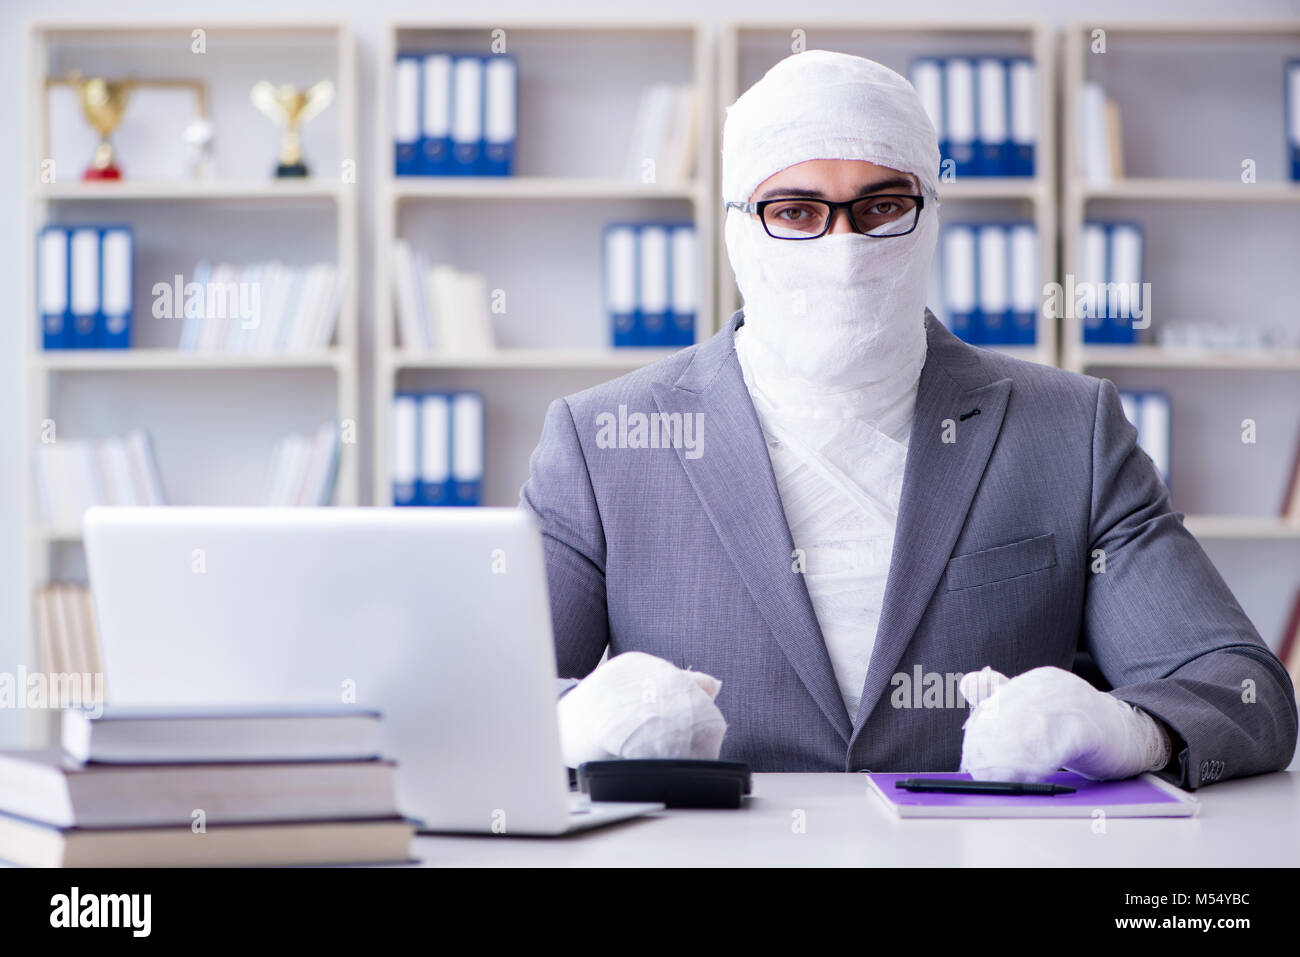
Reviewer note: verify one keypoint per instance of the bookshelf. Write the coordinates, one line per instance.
(1173, 180)
(536, 235)
(213, 417)
(1216, 249)
(747, 49)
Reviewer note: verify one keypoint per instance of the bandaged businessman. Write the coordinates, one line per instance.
(829, 175)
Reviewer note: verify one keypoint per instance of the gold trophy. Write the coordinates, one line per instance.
(290, 108)
(103, 103)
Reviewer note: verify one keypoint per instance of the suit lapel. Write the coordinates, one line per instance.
(939, 483)
(733, 479)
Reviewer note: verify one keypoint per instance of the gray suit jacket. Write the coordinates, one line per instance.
(1039, 529)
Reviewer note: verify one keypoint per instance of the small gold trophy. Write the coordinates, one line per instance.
(102, 103)
(290, 108)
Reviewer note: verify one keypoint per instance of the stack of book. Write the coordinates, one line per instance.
(304, 468)
(203, 788)
(74, 474)
(256, 309)
(439, 306)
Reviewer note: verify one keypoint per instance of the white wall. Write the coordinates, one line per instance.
(367, 21)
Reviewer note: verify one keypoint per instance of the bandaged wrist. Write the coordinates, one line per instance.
(1158, 747)
(1131, 745)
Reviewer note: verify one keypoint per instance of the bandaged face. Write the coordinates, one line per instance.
(845, 309)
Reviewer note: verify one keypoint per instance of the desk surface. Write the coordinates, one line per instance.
(1254, 822)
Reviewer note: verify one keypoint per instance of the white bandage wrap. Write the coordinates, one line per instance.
(638, 706)
(1027, 727)
(824, 105)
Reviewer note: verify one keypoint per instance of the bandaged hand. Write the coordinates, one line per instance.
(638, 706)
(1027, 727)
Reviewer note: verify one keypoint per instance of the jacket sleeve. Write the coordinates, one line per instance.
(1165, 630)
(560, 498)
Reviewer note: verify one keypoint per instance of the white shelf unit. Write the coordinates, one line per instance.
(231, 215)
(1214, 247)
(749, 48)
(537, 234)
(1173, 182)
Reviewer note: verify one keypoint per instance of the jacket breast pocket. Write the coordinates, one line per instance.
(1002, 562)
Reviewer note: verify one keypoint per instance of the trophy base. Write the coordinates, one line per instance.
(107, 172)
(291, 170)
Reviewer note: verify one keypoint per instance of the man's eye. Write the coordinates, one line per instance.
(792, 213)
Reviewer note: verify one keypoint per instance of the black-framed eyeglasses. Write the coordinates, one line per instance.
(879, 215)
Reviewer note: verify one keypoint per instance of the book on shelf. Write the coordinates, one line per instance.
(73, 475)
(1149, 411)
(264, 308)
(650, 283)
(304, 468)
(236, 786)
(84, 286)
(436, 443)
(984, 111)
(1101, 158)
(1292, 100)
(1291, 490)
(991, 281)
(67, 640)
(439, 307)
(1288, 650)
(665, 135)
(454, 114)
(1110, 292)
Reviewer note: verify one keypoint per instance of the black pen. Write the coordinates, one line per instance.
(962, 786)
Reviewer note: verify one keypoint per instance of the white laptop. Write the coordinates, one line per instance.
(439, 618)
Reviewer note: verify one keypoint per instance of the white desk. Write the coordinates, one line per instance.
(1253, 822)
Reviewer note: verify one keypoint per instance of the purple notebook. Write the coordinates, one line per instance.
(1144, 796)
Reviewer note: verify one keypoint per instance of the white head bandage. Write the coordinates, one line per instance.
(823, 105)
